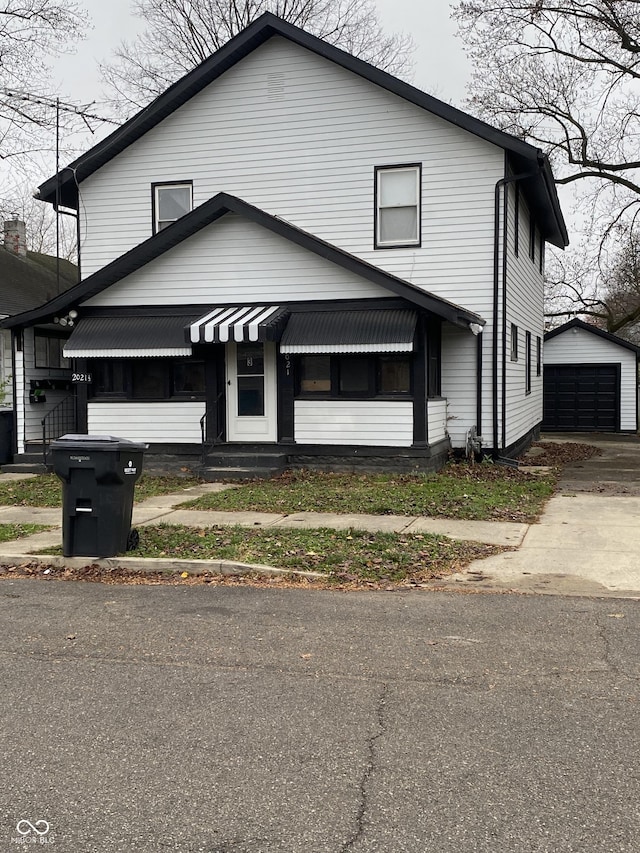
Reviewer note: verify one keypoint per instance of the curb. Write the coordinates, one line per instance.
(151, 564)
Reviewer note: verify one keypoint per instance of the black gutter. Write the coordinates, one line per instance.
(479, 383)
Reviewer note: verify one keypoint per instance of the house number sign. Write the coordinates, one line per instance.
(81, 377)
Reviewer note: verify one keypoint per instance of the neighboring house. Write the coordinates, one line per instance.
(27, 279)
(306, 254)
(590, 380)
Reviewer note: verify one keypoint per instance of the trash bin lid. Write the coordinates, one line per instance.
(73, 441)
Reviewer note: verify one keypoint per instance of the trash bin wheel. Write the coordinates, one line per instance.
(133, 540)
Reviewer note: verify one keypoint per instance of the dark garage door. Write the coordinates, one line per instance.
(581, 397)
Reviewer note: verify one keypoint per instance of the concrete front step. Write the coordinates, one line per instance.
(25, 468)
(214, 474)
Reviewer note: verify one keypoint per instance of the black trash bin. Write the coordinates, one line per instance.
(98, 474)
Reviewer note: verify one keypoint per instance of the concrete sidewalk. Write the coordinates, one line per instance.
(587, 541)
(165, 510)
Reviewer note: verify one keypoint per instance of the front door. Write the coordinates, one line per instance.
(251, 392)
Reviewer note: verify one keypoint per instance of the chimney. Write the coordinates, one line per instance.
(15, 237)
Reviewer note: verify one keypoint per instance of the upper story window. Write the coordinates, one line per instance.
(170, 202)
(397, 193)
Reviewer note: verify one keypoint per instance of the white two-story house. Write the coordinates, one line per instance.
(293, 250)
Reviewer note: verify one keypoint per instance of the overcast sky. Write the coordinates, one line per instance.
(441, 68)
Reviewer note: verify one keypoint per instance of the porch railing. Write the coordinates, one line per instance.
(211, 412)
(58, 421)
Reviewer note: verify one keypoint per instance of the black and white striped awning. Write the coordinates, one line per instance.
(239, 323)
(375, 330)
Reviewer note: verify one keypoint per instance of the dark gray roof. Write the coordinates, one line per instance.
(209, 212)
(540, 190)
(333, 330)
(587, 327)
(26, 283)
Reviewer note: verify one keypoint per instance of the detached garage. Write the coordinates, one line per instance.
(590, 380)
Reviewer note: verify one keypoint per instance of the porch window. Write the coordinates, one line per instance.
(170, 202)
(148, 379)
(397, 192)
(353, 376)
(48, 351)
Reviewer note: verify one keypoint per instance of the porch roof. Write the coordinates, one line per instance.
(374, 330)
(239, 323)
(129, 337)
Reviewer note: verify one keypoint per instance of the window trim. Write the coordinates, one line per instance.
(159, 185)
(538, 355)
(49, 336)
(541, 256)
(532, 238)
(398, 167)
(334, 393)
(527, 356)
(127, 380)
(514, 342)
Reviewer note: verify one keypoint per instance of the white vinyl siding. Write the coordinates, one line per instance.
(374, 423)
(161, 423)
(578, 346)
(459, 383)
(524, 310)
(236, 260)
(308, 155)
(437, 420)
(20, 404)
(33, 413)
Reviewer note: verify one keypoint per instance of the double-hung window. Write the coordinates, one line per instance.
(397, 192)
(170, 202)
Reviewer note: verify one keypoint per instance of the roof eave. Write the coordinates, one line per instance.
(208, 213)
(262, 29)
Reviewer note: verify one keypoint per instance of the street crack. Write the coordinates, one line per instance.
(368, 770)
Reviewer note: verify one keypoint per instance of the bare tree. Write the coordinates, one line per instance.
(181, 34)
(40, 220)
(565, 75)
(31, 31)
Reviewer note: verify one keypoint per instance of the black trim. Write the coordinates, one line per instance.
(82, 397)
(580, 324)
(538, 355)
(479, 384)
(285, 397)
(154, 186)
(419, 388)
(210, 212)
(516, 220)
(252, 37)
(396, 167)
(527, 362)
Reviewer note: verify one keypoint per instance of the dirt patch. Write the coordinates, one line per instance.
(558, 454)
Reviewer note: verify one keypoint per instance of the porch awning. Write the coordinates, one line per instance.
(382, 330)
(128, 337)
(239, 323)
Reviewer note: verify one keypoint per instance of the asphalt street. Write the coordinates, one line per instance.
(255, 720)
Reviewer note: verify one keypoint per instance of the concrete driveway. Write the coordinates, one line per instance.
(587, 541)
